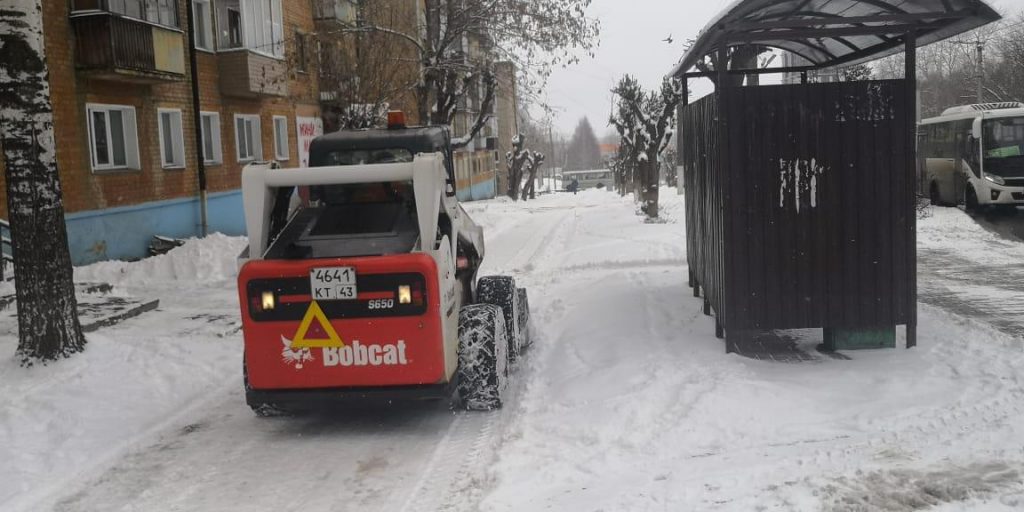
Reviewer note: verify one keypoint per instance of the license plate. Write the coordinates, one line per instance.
(333, 283)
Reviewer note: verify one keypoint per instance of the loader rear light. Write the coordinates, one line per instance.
(272, 299)
(268, 301)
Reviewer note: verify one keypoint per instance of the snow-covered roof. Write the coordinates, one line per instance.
(827, 33)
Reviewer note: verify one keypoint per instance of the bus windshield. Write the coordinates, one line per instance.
(1004, 146)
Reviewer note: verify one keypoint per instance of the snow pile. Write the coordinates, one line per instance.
(626, 401)
(951, 230)
(133, 381)
(209, 259)
(906, 490)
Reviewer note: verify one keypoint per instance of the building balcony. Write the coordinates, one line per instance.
(248, 74)
(110, 46)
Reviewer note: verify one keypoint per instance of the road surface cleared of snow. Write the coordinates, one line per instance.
(627, 402)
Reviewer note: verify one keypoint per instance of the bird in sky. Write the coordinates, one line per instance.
(668, 39)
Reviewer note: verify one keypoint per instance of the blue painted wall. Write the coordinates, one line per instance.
(124, 233)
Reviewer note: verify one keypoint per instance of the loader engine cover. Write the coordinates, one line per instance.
(302, 331)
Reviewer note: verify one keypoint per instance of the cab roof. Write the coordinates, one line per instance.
(425, 139)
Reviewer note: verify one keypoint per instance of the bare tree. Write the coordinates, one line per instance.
(48, 326)
(645, 122)
(533, 164)
(737, 58)
(457, 40)
(517, 160)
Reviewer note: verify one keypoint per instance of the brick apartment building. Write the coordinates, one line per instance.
(123, 112)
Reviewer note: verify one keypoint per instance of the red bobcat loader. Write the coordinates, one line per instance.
(360, 280)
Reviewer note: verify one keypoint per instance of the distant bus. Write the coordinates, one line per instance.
(599, 178)
(973, 156)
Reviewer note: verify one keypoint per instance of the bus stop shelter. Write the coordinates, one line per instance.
(801, 199)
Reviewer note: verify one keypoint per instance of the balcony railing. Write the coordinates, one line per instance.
(112, 46)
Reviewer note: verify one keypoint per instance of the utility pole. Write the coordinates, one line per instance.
(979, 49)
(980, 46)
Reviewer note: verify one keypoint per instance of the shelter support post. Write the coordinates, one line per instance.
(911, 204)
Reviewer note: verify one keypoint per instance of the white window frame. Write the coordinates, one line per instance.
(177, 138)
(210, 34)
(218, 150)
(263, 31)
(131, 137)
(281, 153)
(256, 147)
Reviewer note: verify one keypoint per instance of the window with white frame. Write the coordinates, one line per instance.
(248, 145)
(254, 24)
(172, 141)
(281, 137)
(212, 153)
(202, 17)
(161, 12)
(113, 137)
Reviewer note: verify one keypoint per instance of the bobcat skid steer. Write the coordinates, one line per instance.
(360, 280)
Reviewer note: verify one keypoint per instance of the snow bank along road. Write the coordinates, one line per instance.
(627, 401)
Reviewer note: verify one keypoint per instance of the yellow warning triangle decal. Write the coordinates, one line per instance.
(315, 313)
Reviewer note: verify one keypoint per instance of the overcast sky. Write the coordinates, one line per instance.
(631, 42)
(632, 34)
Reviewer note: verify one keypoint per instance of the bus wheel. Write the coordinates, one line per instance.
(934, 195)
(971, 200)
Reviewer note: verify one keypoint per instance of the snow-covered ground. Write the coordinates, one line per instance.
(627, 402)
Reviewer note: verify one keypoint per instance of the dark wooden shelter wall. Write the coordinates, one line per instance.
(810, 208)
(703, 178)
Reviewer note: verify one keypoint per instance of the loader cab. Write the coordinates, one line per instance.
(392, 145)
(357, 219)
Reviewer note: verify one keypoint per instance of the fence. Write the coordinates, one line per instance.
(800, 206)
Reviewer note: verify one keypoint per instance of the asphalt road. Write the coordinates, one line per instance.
(1007, 224)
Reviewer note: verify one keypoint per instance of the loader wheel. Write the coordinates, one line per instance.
(262, 409)
(501, 291)
(971, 200)
(483, 357)
(525, 329)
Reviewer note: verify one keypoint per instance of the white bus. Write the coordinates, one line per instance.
(597, 178)
(973, 156)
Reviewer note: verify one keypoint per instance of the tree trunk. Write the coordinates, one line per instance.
(48, 326)
(649, 185)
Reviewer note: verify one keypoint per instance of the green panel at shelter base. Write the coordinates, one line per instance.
(859, 339)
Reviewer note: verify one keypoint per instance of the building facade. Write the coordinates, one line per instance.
(121, 89)
(363, 74)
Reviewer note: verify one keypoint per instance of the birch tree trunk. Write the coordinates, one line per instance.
(48, 326)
